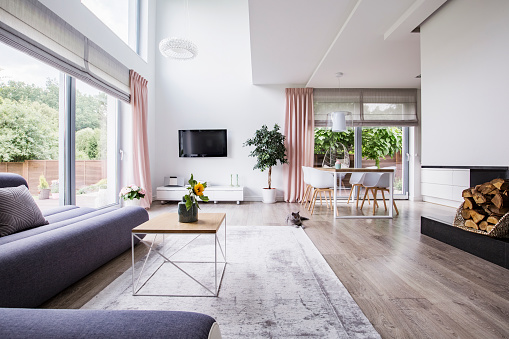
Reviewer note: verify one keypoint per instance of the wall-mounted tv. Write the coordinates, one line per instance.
(202, 143)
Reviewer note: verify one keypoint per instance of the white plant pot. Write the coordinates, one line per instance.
(134, 202)
(269, 195)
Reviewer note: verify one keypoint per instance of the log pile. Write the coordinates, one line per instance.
(485, 204)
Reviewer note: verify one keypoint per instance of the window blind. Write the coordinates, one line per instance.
(369, 107)
(31, 27)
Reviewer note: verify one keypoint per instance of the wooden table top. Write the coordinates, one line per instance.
(356, 170)
(169, 223)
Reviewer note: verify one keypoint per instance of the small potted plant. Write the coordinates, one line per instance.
(269, 150)
(131, 194)
(188, 207)
(43, 187)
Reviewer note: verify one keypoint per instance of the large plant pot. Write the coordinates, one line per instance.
(269, 195)
(44, 193)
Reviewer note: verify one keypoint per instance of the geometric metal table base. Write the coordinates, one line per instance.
(219, 262)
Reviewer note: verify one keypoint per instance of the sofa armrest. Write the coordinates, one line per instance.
(39, 323)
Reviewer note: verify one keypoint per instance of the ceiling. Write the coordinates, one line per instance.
(305, 43)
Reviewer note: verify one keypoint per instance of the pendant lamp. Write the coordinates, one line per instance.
(179, 48)
(338, 118)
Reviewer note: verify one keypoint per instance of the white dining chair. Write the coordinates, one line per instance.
(356, 180)
(376, 182)
(322, 182)
(307, 187)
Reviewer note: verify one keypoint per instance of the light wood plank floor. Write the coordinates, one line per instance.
(407, 284)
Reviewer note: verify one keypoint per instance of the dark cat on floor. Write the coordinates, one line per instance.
(295, 219)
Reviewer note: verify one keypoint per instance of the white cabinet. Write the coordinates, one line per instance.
(444, 185)
(215, 193)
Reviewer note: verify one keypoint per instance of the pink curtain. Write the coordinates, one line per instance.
(141, 163)
(299, 132)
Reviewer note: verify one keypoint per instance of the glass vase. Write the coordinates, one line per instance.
(185, 215)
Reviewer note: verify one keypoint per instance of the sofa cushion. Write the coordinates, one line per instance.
(18, 211)
(69, 214)
(58, 220)
(57, 210)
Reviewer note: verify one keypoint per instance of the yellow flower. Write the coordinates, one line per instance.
(198, 189)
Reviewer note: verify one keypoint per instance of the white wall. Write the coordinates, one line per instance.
(89, 25)
(212, 91)
(464, 56)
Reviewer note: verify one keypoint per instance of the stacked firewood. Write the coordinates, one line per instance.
(485, 204)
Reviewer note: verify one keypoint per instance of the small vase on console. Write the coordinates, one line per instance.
(132, 202)
(185, 215)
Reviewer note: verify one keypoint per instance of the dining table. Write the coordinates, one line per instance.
(336, 172)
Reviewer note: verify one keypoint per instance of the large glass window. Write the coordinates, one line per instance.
(378, 143)
(95, 164)
(29, 123)
(34, 129)
(121, 16)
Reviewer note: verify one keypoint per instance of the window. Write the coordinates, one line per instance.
(95, 147)
(35, 129)
(121, 16)
(379, 136)
(29, 123)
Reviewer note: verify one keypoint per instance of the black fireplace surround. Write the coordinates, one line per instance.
(491, 249)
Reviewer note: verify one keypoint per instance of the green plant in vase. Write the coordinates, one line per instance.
(269, 150)
(188, 207)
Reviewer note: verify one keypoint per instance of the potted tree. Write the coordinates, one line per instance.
(269, 150)
(43, 187)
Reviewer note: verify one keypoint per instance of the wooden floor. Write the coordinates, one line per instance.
(407, 284)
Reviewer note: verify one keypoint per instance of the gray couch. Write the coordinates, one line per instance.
(38, 263)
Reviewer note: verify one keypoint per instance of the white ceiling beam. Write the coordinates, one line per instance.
(412, 17)
(352, 12)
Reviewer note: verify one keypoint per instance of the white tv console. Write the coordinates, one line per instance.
(215, 193)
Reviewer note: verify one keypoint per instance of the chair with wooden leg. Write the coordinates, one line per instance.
(322, 182)
(376, 182)
(356, 180)
(307, 187)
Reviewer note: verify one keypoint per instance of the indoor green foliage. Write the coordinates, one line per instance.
(381, 142)
(195, 191)
(269, 149)
(325, 137)
(28, 130)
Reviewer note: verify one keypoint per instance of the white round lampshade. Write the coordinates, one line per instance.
(338, 121)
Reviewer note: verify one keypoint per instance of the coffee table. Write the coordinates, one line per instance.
(168, 224)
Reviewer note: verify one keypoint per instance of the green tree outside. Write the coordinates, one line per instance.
(377, 142)
(29, 121)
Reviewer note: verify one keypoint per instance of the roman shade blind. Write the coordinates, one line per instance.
(369, 107)
(31, 27)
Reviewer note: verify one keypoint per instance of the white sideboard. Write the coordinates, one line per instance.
(215, 193)
(444, 185)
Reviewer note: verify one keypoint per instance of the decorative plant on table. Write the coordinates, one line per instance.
(132, 193)
(269, 150)
(188, 208)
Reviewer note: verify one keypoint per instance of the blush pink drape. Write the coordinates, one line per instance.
(141, 162)
(299, 132)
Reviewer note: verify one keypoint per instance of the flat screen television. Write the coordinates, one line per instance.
(202, 143)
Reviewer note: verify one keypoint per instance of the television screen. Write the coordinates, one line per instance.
(202, 143)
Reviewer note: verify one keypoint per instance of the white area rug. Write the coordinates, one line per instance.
(276, 285)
